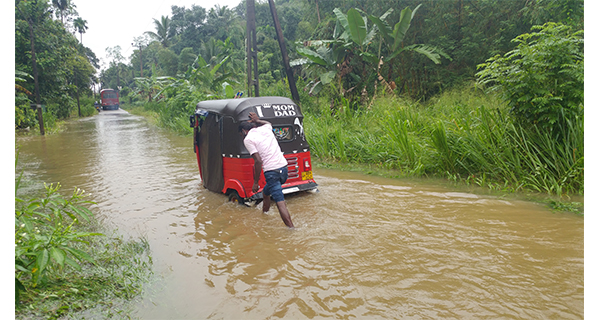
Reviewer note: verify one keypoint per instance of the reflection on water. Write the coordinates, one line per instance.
(364, 247)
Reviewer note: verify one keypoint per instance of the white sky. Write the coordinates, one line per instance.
(113, 22)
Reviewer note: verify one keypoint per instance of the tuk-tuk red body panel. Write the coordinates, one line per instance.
(241, 170)
(238, 173)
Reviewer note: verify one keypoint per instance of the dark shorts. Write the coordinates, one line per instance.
(275, 178)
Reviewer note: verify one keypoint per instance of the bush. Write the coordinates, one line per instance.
(24, 115)
(87, 107)
(542, 78)
(45, 233)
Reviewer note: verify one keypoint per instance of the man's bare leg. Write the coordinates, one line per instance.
(284, 213)
(266, 203)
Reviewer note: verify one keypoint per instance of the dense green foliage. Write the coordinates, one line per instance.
(467, 31)
(65, 68)
(426, 45)
(542, 78)
(412, 48)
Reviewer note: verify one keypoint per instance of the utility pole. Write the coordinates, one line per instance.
(286, 60)
(251, 51)
(139, 45)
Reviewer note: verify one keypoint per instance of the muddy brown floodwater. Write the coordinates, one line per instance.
(364, 247)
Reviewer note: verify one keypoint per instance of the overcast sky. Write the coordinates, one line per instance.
(118, 22)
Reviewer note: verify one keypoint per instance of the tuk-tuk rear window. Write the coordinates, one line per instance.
(283, 133)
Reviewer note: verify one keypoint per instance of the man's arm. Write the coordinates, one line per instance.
(257, 169)
(254, 119)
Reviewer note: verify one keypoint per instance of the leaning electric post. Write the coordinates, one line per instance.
(286, 60)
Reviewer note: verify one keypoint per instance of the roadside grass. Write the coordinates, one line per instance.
(139, 110)
(464, 136)
(160, 116)
(87, 107)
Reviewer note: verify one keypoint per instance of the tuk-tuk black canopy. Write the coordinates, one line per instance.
(238, 109)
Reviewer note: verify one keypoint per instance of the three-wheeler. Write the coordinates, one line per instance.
(224, 163)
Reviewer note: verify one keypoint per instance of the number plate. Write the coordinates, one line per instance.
(307, 175)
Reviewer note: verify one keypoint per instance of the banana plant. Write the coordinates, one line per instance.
(20, 77)
(208, 75)
(356, 32)
(352, 37)
(151, 86)
(325, 59)
(203, 78)
(393, 38)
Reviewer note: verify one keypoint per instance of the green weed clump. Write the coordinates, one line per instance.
(462, 135)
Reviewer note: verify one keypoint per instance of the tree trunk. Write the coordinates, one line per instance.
(78, 105)
(35, 74)
(318, 15)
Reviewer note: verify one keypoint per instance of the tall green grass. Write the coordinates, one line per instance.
(463, 134)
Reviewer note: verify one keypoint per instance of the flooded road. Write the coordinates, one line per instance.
(364, 247)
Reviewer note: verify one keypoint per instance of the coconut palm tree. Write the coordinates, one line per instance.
(219, 21)
(163, 32)
(80, 25)
(62, 6)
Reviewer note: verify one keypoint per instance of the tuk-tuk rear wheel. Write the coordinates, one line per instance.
(235, 197)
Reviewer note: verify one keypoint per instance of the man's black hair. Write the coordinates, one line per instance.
(245, 125)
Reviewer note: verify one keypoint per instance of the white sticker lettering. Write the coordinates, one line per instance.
(259, 111)
(284, 110)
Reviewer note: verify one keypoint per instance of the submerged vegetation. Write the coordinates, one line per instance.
(63, 265)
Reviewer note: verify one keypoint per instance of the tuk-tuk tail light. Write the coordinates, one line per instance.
(306, 165)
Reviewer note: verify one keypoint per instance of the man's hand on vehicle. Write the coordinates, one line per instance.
(253, 117)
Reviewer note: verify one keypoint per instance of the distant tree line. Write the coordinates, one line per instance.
(467, 32)
(48, 53)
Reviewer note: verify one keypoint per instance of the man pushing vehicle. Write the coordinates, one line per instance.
(262, 145)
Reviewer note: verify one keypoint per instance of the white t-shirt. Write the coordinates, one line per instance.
(263, 141)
